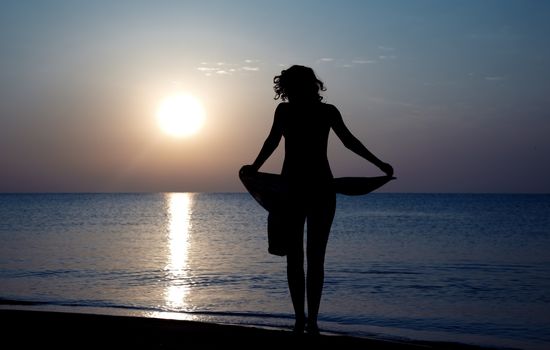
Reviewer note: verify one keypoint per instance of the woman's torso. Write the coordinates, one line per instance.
(306, 129)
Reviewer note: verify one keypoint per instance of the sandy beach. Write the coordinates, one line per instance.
(71, 330)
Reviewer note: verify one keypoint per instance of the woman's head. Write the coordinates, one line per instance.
(298, 83)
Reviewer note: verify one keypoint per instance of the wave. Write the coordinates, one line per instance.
(102, 304)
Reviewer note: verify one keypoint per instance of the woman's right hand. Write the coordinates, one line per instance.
(387, 168)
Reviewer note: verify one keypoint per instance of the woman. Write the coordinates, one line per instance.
(305, 122)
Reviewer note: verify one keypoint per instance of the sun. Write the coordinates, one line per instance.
(180, 115)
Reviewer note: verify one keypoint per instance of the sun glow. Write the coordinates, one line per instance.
(180, 115)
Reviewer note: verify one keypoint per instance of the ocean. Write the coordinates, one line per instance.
(471, 268)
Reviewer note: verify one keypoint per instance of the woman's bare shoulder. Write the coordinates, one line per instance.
(282, 107)
(330, 107)
(331, 111)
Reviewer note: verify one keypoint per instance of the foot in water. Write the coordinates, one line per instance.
(299, 326)
(312, 329)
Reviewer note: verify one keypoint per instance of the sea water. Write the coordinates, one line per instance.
(472, 268)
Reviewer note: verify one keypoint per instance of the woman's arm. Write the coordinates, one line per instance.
(272, 140)
(353, 144)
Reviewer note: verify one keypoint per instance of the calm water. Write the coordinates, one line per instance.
(468, 268)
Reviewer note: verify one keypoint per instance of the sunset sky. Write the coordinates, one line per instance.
(454, 94)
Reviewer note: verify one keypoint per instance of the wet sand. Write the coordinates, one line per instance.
(47, 329)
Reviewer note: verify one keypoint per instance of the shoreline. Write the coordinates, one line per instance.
(70, 330)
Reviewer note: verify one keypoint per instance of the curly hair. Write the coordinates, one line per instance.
(298, 83)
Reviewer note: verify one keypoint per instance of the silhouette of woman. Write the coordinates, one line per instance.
(305, 122)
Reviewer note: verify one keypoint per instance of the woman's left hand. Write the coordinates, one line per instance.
(248, 169)
(387, 168)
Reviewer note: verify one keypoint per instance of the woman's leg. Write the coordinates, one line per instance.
(295, 270)
(319, 222)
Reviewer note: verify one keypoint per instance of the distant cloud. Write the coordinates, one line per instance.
(214, 68)
(350, 63)
(363, 61)
(387, 53)
(495, 78)
(227, 68)
(356, 62)
(206, 69)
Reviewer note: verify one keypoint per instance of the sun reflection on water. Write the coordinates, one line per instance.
(179, 214)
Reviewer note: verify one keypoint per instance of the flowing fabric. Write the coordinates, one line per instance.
(272, 192)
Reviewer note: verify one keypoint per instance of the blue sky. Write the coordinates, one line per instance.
(452, 93)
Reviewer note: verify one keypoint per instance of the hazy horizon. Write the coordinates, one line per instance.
(452, 94)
